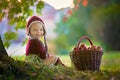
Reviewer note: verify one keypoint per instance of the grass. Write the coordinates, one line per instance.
(18, 69)
(110, 60)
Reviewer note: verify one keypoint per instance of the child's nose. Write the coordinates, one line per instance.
(38, 31)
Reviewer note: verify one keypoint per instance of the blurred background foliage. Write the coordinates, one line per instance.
(99, 20)
(104, 26)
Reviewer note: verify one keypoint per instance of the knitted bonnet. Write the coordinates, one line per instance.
(32, 20)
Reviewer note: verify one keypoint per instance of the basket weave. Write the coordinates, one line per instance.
(86, 59)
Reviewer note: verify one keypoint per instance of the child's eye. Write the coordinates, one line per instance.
(41, 29)
(35, 29)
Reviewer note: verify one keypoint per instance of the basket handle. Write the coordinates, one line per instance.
(84, 37)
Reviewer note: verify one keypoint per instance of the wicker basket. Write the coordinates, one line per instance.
(86, 59)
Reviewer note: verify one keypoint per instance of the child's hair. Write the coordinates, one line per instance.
(32, 20)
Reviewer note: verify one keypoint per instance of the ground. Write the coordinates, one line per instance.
(16, 68)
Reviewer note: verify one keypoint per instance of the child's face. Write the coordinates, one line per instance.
(36, 30)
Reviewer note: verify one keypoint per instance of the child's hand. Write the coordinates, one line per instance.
(47, 55)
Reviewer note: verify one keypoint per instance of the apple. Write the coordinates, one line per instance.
(74, 49)
(83, 47)
(99, 48)
(93, 48)
(89, 48)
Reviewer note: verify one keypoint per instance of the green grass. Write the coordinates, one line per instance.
(66, 60)
(21, 58)
(110, 60)
(36, 70)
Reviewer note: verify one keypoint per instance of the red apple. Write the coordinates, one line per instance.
(83, 47)
(74, 49)
(93, 48)
(99, 48)
(88, 48)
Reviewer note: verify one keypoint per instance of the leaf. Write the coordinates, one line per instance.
(11, 21)
(1, 16)
(7, 44)
(10, 35)
(20, 25)
(39, 7)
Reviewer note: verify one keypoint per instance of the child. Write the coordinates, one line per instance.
(35, 30)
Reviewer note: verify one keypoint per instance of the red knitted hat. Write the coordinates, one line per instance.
(32, 20)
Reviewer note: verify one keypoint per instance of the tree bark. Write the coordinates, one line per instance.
(2, 48)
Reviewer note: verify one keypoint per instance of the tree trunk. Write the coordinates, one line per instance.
(2, 48)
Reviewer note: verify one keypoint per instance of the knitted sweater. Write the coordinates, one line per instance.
(35, 46)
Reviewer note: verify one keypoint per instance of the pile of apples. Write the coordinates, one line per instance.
(85, 48)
